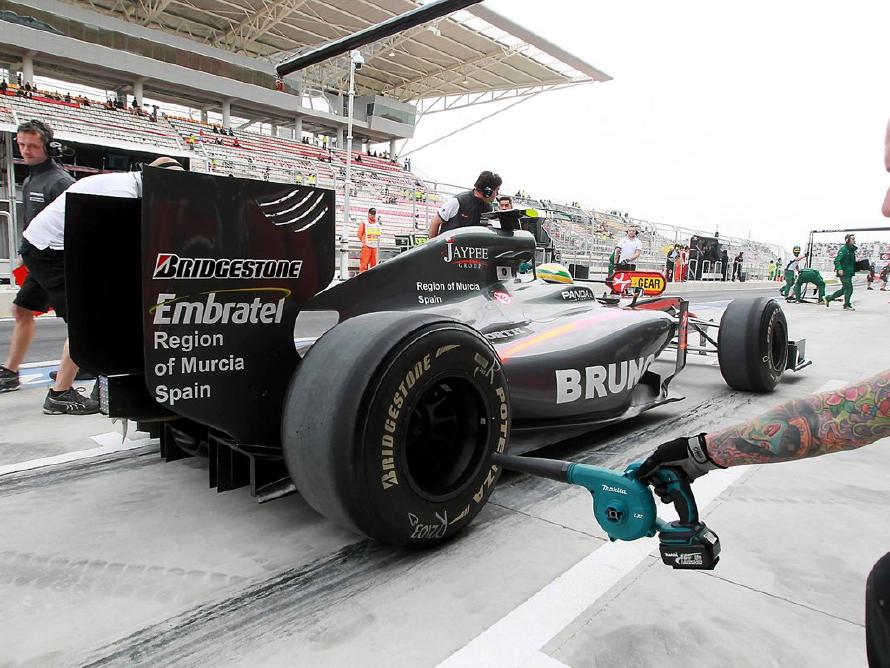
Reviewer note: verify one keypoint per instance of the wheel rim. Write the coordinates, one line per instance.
(778, 347)
(446, 437)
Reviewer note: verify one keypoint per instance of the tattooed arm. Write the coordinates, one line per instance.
(843, 419)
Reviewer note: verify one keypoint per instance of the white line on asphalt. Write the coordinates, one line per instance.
(37, 365)
(522, 632)
(109, 442)
(517, 637)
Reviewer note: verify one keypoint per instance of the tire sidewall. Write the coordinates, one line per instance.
(770, 370)
(391, 507)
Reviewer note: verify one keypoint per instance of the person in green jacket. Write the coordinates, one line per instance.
(845, 266)
(809, 276)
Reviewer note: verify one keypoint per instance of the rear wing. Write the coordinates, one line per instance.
(190, 295)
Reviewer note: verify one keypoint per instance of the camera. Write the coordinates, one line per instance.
(357, 59)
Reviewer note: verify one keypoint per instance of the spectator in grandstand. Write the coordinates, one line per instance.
(466, 208)
(312, 180)
(505, 202)
(724, 263)
(3, 86)
(67, 97)
(369, 234)
(43, 254)
(153, 116)
(45, 182)
(231, 132)
(631, 247)
(236, 143)
(845, 267)
(737, 266)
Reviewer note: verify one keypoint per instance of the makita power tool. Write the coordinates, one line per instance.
(625, 507)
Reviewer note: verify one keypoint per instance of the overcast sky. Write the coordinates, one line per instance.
(760, 117)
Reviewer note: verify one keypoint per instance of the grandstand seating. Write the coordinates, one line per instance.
(94, 120)
(403, 201)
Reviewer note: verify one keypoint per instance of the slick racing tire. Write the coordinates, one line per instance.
(752, 344)
(390, 423)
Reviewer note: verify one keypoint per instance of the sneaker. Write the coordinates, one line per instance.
(81, 375)
(827, 302)
(849, 307)
(9, 380)
(69, 402)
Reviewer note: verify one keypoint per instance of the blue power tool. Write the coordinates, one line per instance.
(625, 507)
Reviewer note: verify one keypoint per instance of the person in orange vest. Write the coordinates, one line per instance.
(369, 235)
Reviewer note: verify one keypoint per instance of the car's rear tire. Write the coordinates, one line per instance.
(390, 423)
(752, 345)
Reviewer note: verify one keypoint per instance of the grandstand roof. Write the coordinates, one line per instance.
(471, 51)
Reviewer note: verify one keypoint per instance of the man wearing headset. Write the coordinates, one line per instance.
(46, 180)
(845, 267)
(466, 208)
(43, 254)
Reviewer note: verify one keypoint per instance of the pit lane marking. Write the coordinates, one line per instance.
(518, 636)
(516, 639)
(109, 443)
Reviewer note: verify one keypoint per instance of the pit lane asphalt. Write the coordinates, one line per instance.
(126, 560)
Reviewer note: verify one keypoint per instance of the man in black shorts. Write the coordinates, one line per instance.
(46, 181)
(43, 254)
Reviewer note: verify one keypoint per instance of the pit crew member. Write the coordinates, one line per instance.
(799, 429)
(369, 234)
(466, 208)
(46, 180)
(631, 247)
(43, 254)
(791, 270)
(808, 276)
(845, 266)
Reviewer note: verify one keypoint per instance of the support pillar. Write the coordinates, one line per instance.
(340, 144)
(203, 115)
(392, 147)
(226, 113)
(298, 128)
(273, 129)
(137, 91)
(27, 69)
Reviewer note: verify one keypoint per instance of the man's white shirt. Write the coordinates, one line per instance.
(47, 229)
(628, 247)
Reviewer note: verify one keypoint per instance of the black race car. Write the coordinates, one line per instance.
(380, 399)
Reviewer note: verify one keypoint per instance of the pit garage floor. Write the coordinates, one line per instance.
(110, 556)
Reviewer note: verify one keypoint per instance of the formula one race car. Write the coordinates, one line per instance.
(380, 399)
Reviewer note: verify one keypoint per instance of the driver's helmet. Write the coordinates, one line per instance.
(553, 273)
(796, 250)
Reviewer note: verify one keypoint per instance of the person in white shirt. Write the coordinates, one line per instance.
(631, 247)
(42, 253)
(791, 271)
